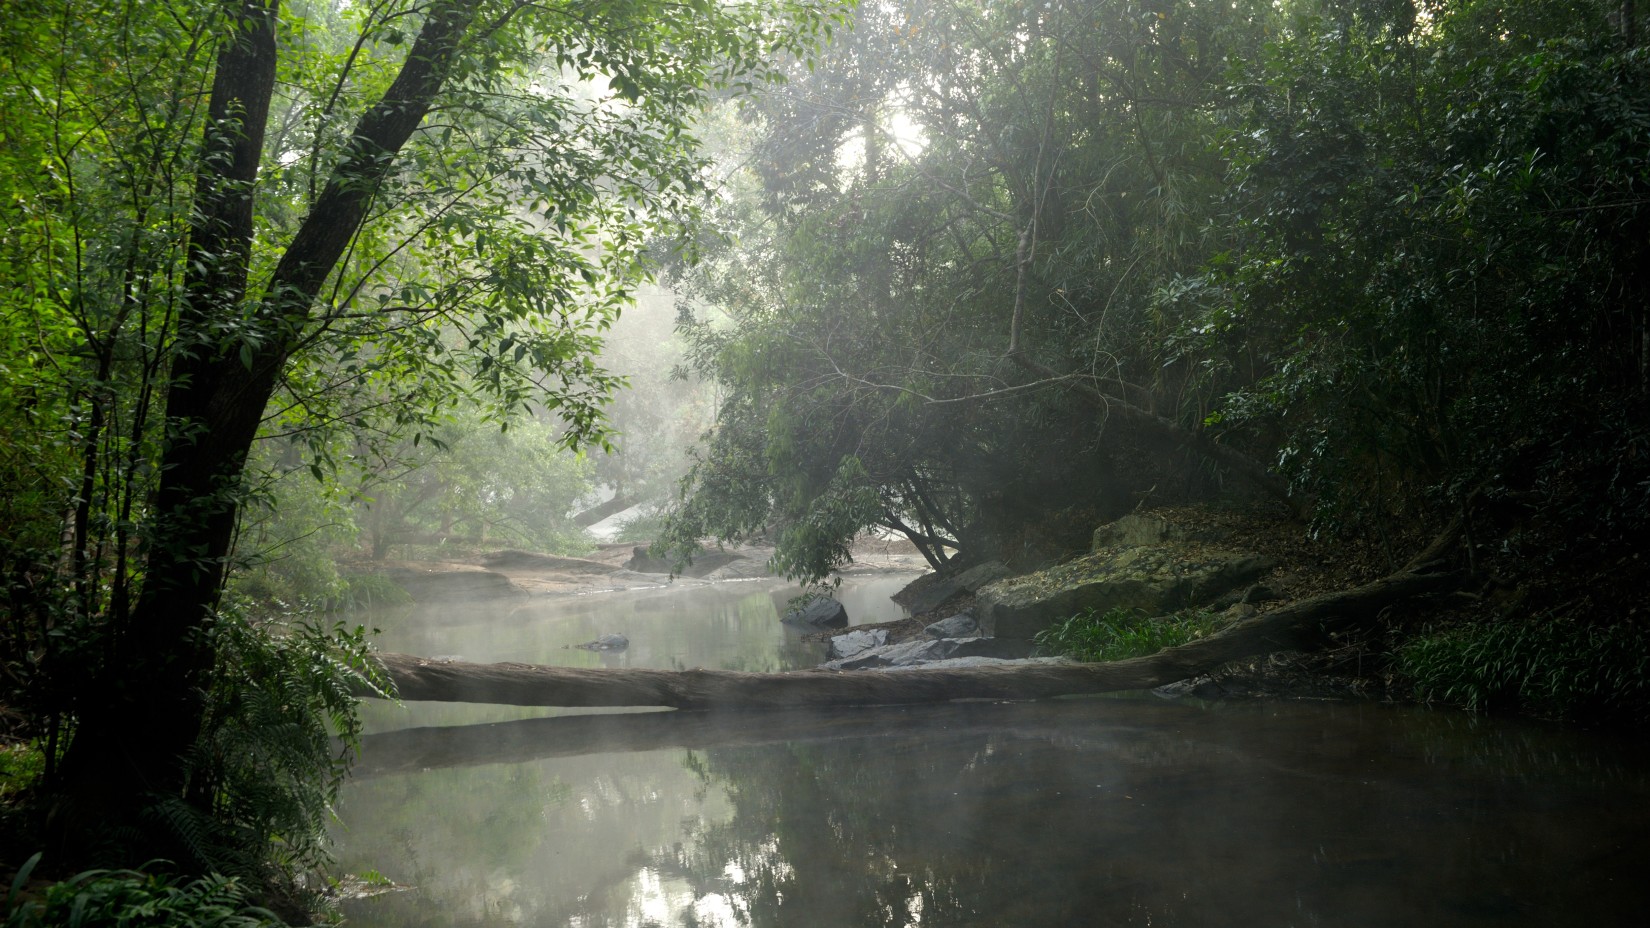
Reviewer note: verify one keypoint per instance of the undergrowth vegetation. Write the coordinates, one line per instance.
(1555, 668)
(277, 744)
(134, 899)
(1115, 634)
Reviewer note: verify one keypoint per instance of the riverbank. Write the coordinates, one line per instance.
(1450, 619)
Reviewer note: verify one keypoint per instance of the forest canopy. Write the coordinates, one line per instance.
(1005, 271)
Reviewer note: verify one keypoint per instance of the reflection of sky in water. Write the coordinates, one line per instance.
(1080, 812)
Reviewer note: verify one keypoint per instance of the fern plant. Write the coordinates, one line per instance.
(277, 743)
(135, 899)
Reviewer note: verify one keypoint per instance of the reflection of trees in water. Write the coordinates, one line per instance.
(869, 832)
(797, 848)
(1232, 815)
(1070, 812)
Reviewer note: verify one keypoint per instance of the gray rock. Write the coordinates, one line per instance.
(856, 643)
(963, 663)
(451, 583)
(896, 655)
(1000, 648)
(821, 613)
(606, 643)
(960, 625)
(937, 593)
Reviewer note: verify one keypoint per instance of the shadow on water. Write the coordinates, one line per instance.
(1109, 811)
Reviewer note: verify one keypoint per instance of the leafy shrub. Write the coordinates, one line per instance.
(277, 742)
(1120, 633)
(646, 525)
(20, 766)
(1559, 669)
(134, 899)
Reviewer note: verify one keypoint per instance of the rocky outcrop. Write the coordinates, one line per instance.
(820, 613)
(961, 625)
(445, 583)
(937, 591)
(1141, 562)
(704, 563)
(856, 642)
(924, 651)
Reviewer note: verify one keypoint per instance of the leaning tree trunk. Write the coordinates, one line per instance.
(1300, 624)
(146, 711)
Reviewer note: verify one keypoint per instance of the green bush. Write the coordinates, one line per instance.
(20, 766)
(1554, 668)
(1120, 633)
(134, 899)
(645, 526)
(279, 736)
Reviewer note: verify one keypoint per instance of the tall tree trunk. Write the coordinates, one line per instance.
(147, 709)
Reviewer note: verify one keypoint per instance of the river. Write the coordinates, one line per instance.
(1105, 811)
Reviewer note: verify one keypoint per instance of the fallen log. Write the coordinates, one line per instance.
(1299, 624)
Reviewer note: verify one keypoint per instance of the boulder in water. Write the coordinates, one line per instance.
(820, 613)
(606, 643)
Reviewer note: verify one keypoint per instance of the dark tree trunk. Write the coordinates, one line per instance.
(147, 710)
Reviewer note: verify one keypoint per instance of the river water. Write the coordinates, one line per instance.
(1110, 811)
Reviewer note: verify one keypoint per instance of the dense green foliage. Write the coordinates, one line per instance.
(1122, 633)
(1557, 669)
(1387, 261)
(274, 274)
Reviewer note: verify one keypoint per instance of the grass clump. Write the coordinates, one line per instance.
(1116, 634)
(1554, 668)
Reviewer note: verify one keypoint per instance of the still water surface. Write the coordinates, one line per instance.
(1127, 811)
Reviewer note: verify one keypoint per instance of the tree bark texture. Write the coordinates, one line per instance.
(145, 709)
(1299, 625)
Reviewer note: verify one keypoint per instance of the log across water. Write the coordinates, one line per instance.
(1297, 625)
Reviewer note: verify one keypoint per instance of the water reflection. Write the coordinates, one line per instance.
(1099, 811)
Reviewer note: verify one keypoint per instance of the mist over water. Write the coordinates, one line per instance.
(1129, 811)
